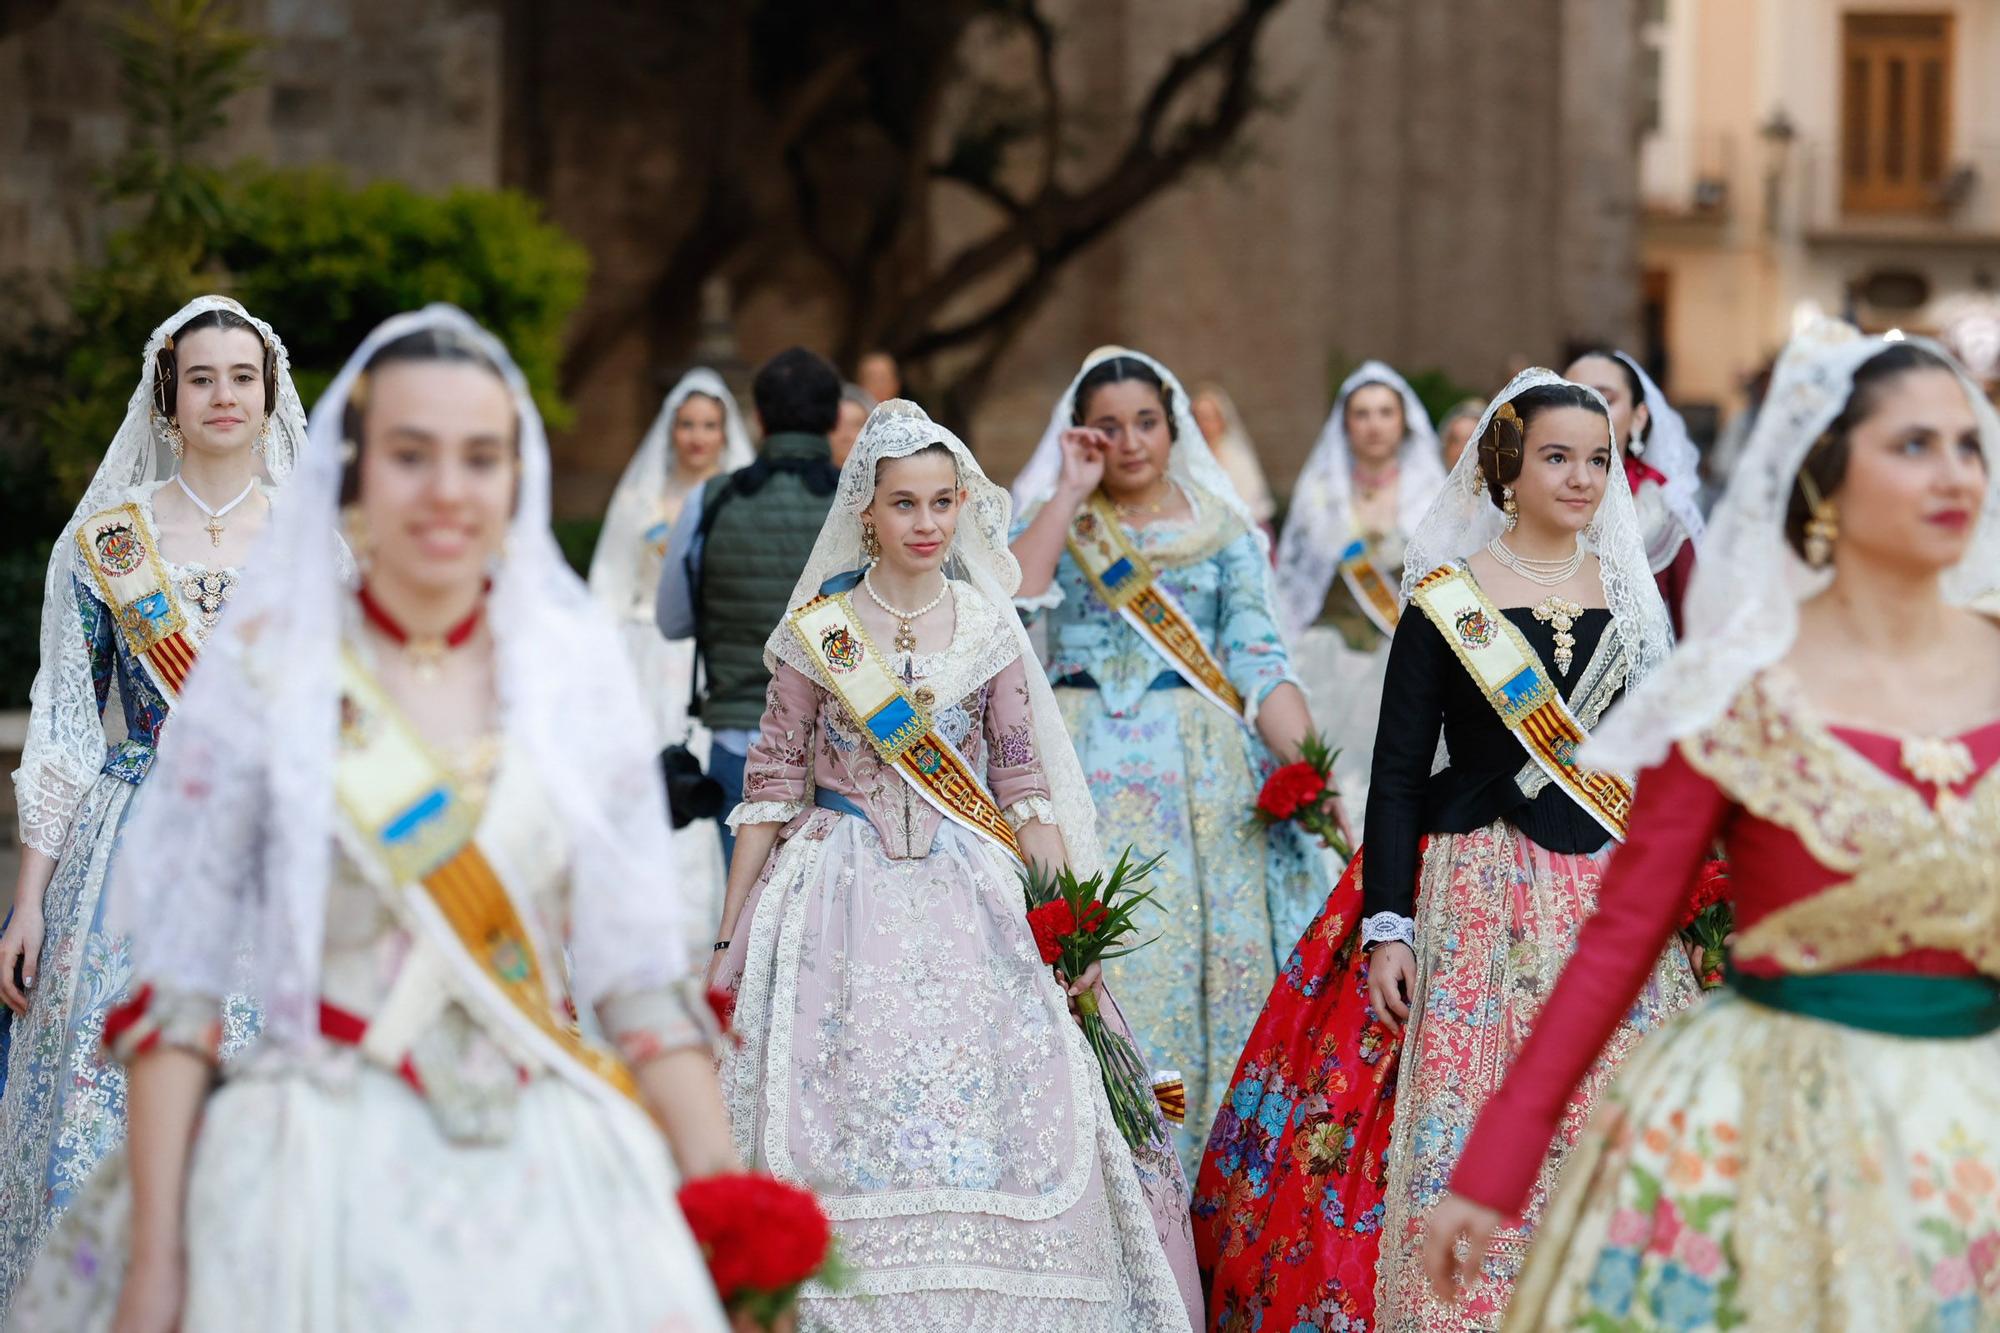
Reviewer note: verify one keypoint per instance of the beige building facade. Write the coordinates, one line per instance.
(1836, 156)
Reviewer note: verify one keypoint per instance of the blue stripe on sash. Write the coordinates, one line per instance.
(414, 818)
(1355, 549)
(1521, 688)
(891, 718)
(153, 606)
(1117, 573)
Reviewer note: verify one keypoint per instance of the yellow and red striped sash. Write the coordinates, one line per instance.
(411, 816)
(1127, 582)
(896, 726)
(1509, 673)
(123, 557)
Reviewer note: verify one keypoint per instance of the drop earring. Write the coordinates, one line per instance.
(1822, 529)
(171, 432)
(871, 545)
(1509, 508)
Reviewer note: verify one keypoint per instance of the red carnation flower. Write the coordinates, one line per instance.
(759, 1235)
(723, 1005)
(1050, 922)
(1093, 916)
(1291, 788)
(1712, 886)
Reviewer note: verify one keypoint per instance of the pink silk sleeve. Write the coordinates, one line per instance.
(1013, 767)
(778, 767)
(1676, 816)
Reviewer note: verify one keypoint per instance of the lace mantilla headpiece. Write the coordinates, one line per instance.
(1316, 525)
(1741, 613)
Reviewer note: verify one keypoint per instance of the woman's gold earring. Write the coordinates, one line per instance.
(262, 444)
(172, 431)
(1509, 508)
(1822, 528)
(355, 529)
(871, 545)
(1821, 532)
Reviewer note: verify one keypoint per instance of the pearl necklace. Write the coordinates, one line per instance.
(1546, 573)
(906, 633)
(215, 516)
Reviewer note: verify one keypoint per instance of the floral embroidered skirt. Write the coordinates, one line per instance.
(63, 1107)
(1288, 1207)
(1764, 1171)
(1497, 917)
(1178, 777)
(907, 1055)
(324, 1196)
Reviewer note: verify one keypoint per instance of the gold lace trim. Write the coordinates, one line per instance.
(1920, 876)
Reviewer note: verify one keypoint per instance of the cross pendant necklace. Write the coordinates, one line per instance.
(215, 516)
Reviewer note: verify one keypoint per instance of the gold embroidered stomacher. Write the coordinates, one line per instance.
(1508, 672)
(900, 731)
(1922, 875)
(414, 820)
(1126, 581)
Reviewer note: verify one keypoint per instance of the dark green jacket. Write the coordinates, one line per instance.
(760, 524)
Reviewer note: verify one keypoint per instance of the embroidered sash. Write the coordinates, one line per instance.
(895, 726)
(123, 557)
(412, 818)
(1506, 669)
(1372, 592)
(1125, 580)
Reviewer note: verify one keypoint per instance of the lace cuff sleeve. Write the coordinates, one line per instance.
(153, 1018)
(650, 1023)
(1031, 807)
(1386, 926)
(1048, 599)
(765, 812)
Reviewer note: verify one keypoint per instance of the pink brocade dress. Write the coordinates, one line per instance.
(905, 1053)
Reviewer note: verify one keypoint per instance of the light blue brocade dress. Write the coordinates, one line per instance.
(62, 1106)
(1172, 773)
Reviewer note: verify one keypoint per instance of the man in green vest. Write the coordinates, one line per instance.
(740, 544)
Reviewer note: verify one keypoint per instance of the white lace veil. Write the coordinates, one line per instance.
(1189, 461)
(1463, 519)
(222, 878)
(622, 574)
(978, 555)
(1741, 613)
(65, 744)
(1316, 524)
(1670, 450)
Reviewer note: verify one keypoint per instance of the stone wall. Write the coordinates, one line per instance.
(1441, 183)
(402, 89)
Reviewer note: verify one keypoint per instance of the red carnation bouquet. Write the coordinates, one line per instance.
(763, 1240)
(1303, 793)
(1080, 922)
(1709, 921)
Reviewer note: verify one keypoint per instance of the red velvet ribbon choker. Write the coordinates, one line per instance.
(426, 651)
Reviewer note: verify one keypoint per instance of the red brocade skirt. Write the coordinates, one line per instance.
(1288, 1206)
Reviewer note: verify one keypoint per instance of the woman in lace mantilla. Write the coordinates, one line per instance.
(137, 581)
(698, 434)
(1661, 463)
(1814, 1147)
(1419, 978)
(1176, 738)
(1371, 476)
(904, 1051)
(417, 818)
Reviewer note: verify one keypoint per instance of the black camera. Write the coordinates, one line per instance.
(691, 793)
